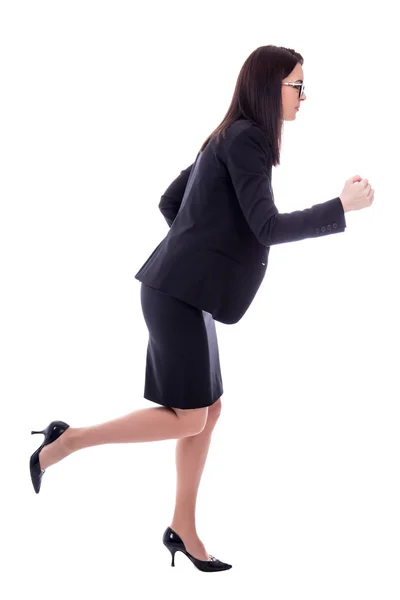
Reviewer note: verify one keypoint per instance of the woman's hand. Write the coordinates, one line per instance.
(357, 194)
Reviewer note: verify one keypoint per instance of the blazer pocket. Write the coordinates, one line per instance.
(226, 256)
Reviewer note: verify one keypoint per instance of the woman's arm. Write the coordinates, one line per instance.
(171, 200)
(248, 160)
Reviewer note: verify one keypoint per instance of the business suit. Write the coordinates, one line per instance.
(223, 220)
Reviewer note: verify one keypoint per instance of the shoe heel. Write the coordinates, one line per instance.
(173, 552)
(32, 432)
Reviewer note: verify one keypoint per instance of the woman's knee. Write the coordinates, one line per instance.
(193, 420)
(214, 411)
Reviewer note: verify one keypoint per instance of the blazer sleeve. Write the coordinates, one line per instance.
(171, 200)
(248, 160)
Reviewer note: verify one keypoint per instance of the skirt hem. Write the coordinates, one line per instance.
(164, 403)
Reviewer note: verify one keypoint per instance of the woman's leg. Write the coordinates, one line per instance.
(191, 455)
(145, 425)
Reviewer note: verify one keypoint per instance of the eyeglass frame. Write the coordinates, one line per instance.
(301, 86)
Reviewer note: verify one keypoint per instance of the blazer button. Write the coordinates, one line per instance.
(318, 230)
(334, 226)
(323, 228)
(329, 227)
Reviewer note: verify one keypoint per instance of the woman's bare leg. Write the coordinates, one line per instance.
(191, 455)
(145, 425)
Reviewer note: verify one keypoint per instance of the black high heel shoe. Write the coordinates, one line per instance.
(51, 434)
(174, 544)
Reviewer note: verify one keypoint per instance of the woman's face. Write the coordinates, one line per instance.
(290, 94)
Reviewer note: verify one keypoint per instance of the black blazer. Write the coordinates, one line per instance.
(223, 220)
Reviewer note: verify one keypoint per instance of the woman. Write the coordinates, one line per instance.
(223, 220)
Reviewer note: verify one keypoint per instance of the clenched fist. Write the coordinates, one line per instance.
(357, 194)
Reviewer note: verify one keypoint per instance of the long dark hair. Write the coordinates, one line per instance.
(258, 94)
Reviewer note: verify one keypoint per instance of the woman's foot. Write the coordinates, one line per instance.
(192, 542)
(56, 451)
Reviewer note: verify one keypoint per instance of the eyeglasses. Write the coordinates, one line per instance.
(300, 86)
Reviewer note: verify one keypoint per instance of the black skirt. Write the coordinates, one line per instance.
(182, 364)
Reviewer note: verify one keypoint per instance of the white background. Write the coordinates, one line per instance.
(102, 105)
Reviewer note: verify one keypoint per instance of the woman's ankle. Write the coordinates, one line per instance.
(184, 529)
